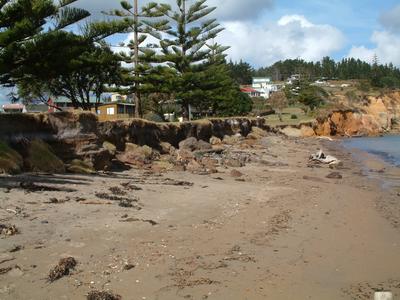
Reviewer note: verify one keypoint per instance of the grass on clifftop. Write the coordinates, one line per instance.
(288, 117)
(10, 160)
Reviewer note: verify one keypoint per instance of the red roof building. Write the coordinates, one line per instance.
(250, 91)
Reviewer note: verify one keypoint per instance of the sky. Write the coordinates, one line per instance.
(265, 31)
(262, 32)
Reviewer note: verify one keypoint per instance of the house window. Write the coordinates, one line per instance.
(98, 111)
(110, 111)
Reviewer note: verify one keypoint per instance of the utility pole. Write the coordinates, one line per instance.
(138, 109)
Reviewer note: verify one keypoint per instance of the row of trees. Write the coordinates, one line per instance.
(348, 68)
(41, 56)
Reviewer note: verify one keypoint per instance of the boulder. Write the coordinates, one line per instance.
(40, 158)
(167, 148)
(256, 133)
(214, 141)
(202, 145)
(101, 159)
(162, 166)
(232, 139)
(78, 166)
(110, 147)
(194, 167)
(11, 161)
(136, 155)
(184, 155)
(236, 173)
(188, 144)
(192, 144)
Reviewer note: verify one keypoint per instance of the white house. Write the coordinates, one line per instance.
(264, 86)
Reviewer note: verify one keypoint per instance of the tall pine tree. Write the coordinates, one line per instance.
(22, 22)
(142, 23)
(183, 46)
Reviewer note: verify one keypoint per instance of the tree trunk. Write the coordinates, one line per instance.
(138, 109)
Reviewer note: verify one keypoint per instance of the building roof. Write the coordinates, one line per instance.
(118, 103)
(248, 90)
(37, 108)
(13, 106)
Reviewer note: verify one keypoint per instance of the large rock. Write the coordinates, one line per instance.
(232, 139)
(78, 166)
(192, 144)
(136, 155)
(167, 148)
(110, 147)
(214, 141)
(256, 133)
(11, 161)
(41, 158)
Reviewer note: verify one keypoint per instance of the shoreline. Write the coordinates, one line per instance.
(276, 228)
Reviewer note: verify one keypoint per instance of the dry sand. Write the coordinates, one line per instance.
(278, 232)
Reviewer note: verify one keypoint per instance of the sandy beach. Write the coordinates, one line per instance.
(277, 228)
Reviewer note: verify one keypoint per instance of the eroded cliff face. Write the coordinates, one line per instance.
(380, 115)
(80, 136)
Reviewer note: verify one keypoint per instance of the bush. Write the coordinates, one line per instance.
(294, 117)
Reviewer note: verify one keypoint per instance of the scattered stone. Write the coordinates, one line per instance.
(62, 269)
(130, 186)
(8, 230)
(170, 181)
(117, 191)
(128, 267)
(5, 270)
(236, 173)
(16, 248)
(58, 201)
(129, 220)
(103, 295)
(127, 203)
(334, 175)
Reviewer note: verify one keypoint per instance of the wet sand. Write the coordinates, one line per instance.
(281, 231)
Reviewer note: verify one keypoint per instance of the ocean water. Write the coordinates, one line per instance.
(387, 147)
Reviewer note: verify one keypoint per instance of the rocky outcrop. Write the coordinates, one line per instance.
(378, 115)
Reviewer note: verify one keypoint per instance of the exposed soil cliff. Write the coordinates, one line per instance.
(79, 138)
(377, 116)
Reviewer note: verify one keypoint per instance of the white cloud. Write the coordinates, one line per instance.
(387, 41)
(226, 9)
(391, 19)
(292, 36)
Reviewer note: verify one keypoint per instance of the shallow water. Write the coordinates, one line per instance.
(387, 147)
